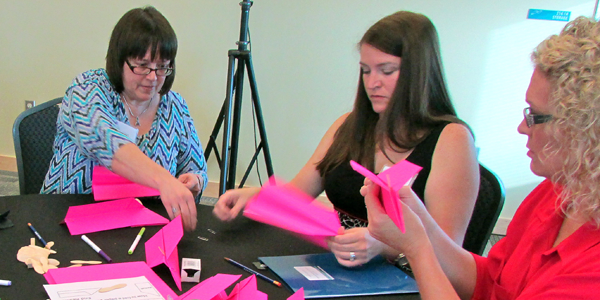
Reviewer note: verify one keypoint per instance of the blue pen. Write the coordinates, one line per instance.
(237, 264)
(37, 234)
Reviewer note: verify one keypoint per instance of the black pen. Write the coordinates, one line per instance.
(237, 264)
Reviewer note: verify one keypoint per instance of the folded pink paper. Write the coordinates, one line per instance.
(107, 185)
(390, 181)
(247, 289)
(286, 207)
(101, 216)
(212, 288)
(162, 248)
(298, 295)
(109, 271)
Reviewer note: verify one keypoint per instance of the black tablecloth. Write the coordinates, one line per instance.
(242, 240)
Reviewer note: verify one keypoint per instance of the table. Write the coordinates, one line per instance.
(242, 240)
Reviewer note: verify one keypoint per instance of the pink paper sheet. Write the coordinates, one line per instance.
(107, 185)
(286, 207)
(109, 271)
(298, 295)
(212, 288)
(101, 216)
(390, 181)
(247, 289)
(162, 248)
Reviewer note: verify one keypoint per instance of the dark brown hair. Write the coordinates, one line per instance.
(420, 100)
(137, 31)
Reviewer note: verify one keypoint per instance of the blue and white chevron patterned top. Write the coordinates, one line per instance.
(87, 135)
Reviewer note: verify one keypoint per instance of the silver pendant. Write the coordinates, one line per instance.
(137, 121)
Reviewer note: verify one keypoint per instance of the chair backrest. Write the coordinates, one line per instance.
(488, 205)
(34, 131)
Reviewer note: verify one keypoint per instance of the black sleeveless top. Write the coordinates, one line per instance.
(342, 184)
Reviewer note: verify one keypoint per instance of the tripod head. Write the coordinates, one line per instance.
(243, 42)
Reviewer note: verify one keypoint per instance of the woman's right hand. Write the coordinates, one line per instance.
(178, 200)
(232, 202)
(382, 228)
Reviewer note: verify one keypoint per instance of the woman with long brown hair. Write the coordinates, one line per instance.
(402, 111)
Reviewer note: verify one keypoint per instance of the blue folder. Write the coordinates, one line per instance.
(378, 277)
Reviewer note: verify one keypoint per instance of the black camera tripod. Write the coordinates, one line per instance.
(230, 114)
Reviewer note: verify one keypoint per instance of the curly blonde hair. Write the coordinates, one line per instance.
(571, 62)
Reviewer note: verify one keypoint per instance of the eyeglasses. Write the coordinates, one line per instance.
(139, 70)
(532, 119)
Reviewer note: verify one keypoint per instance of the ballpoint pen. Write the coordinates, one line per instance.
(37, 234)
(237, 264)
(96, 248)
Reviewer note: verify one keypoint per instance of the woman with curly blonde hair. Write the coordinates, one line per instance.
(552, 245)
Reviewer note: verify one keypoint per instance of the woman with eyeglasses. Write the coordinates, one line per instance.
(552, 245)
(402, 111)
(126, 118)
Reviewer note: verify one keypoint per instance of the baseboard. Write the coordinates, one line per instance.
(8, 163)
(501, 226)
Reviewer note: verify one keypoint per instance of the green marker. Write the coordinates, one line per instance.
(136, 241)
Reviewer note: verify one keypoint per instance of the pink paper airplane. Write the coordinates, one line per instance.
(162, 248)
(101, 216)
(247, 289)
(286, 207)
(390, 181)
(107, 185)
(212, 288)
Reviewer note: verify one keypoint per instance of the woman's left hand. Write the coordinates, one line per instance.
(354, 247)
(192, 182)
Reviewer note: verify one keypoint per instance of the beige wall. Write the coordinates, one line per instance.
(305, 60)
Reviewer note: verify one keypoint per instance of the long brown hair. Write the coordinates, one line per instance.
(420, 100)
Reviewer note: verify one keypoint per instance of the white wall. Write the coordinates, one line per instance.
(305, 61)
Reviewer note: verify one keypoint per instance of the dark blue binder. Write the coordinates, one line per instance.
(378, 277)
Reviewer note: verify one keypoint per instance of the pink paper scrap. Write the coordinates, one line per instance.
(298, 295)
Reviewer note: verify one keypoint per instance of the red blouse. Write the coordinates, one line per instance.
(523, 265)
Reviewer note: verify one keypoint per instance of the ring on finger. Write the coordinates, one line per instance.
(352, 256)
(174, 209)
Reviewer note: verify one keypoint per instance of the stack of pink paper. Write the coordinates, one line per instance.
(107, 185)
(286, 207)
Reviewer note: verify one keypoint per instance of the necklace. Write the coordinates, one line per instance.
(137, 118)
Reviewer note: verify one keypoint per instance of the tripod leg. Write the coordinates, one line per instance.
(259, 117)
(237, 115)
(212, 142)
(227, 130)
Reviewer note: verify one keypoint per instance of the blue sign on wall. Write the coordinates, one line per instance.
(552, 15)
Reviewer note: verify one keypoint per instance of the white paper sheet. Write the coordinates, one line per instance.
(135, 288)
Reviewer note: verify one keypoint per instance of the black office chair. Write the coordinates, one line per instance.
(33, 134)
(488, 205)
